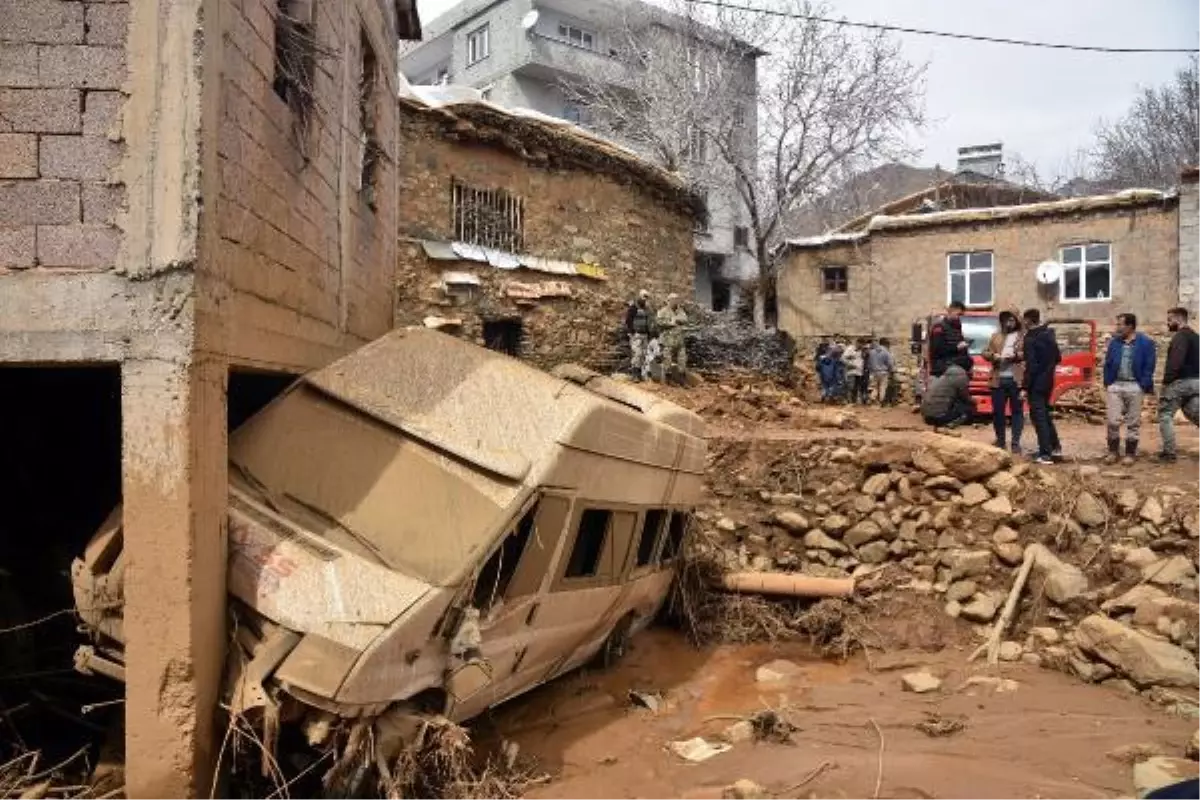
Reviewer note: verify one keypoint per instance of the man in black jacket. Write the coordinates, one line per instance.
(1041, 358)
(946, 343)
(1181, 379)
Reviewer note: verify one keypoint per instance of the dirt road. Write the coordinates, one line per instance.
(1046, 739)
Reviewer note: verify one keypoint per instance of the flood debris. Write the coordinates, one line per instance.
(698, 749)
(937, 725)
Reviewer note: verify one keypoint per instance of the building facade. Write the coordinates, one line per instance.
(1117, 253)
(527, 236)
(1189, 240)
(198, 199)
(520, 53)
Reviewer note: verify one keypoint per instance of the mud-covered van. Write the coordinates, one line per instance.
(428, 526)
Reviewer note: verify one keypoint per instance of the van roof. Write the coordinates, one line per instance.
(489, 409)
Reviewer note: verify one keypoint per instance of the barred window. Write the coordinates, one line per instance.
(487, 217)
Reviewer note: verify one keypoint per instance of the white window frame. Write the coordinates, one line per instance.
(586, 38)
(1082, 266)
(479, 44)
(967, 272)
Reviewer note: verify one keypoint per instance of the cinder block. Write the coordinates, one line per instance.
(41, 21)
(81, 66)
(86, 158)
(39, 110)
(107, 23)
(103, 202)
(18, 155)
(77, 245)
(102, 113)
(38, 202)
(18, 65)
(18, 247)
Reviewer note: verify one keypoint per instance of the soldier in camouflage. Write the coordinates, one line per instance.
(639, 324)
(671, 319)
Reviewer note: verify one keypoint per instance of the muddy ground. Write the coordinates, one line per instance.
(1053, 736)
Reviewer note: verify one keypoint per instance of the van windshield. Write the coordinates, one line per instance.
(977, 331)
(368, 488)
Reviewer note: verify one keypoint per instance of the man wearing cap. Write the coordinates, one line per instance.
(639, 324)
(671, 319)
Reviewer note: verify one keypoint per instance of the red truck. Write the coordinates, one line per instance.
(1076, 340)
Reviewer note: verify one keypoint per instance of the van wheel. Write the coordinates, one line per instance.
(617, 643)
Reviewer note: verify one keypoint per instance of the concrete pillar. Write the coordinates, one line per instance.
(1189, 240)
(174, 478)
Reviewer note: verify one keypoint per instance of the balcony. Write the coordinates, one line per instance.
(550, 58)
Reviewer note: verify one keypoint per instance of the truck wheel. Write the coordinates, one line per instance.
(617, 643)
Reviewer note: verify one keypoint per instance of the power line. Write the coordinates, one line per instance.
(875, 26)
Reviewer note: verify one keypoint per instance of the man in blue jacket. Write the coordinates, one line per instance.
(1128, 378)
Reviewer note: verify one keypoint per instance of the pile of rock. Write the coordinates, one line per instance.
(957, 517)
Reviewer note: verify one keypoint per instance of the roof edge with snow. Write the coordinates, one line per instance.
(1128, 199)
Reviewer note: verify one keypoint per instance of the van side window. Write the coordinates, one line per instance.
(498, 571)
(589, 543)
(651, 528)
(675, 534)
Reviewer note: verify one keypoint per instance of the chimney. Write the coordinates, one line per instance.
(985, 159)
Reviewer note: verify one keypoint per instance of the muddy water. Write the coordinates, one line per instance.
(1046, 739)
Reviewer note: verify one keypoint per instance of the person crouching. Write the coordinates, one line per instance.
(947, 402)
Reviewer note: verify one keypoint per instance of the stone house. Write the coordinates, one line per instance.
(198, 199)
(1118, 253)
(573, 227)
(1189, 239)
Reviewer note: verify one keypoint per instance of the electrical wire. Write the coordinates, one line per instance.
(876, 26)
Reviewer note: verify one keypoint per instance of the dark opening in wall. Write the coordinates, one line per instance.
(250, 392)
(372, 150)
(503, 335)
(60, 477)
(296, 52)
(722, 295)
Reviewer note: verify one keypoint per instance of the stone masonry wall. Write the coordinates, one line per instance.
(1189, 234)
(572, 215)
(896, 278)
(62, 68)
(304, 252)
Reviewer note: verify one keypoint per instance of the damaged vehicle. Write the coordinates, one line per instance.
(428, 528)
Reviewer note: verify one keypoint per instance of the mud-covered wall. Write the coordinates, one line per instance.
(638, 241)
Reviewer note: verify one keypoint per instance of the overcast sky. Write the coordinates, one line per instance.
(1042, 104)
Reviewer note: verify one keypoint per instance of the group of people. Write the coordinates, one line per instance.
(656, 335)
(858, 372)
(1024, 356)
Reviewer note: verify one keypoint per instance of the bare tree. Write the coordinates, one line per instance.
(831, 101)
(1074, 175)
(1157, 136)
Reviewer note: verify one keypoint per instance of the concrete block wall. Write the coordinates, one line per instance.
(305, 260)
(640, 240)
(897, 277)
(62, 75)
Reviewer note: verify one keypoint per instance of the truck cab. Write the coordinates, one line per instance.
(1076, 341)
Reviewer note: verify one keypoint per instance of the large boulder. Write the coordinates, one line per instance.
(1173, 571)
(1132, 599)
(1160, 771)
(878, 484)
(1090, 512)
(886, 455)
(974, 494)
(965, 459)
(1142, 659)
(968, 563)
(1062, 582)
(982, 608)
(819, 540)
(863, 532)
(791, 521)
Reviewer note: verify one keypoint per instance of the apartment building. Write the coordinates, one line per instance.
(522, 53)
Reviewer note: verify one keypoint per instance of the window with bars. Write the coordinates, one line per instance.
(741, 236)
(969, 278)
(834, 280)
(1087, 272)
(487, 217)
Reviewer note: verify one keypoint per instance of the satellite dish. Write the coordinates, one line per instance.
(529, 20)
(1049, 272)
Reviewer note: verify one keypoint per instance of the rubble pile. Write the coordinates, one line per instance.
(717, 342)
(743, 399)
(1112, 598)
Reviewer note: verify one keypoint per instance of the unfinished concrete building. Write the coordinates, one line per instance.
(198, 199)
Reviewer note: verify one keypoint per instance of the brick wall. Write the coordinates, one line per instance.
(897, 277)
(62, 68)
(305, 254)
(640, 240)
